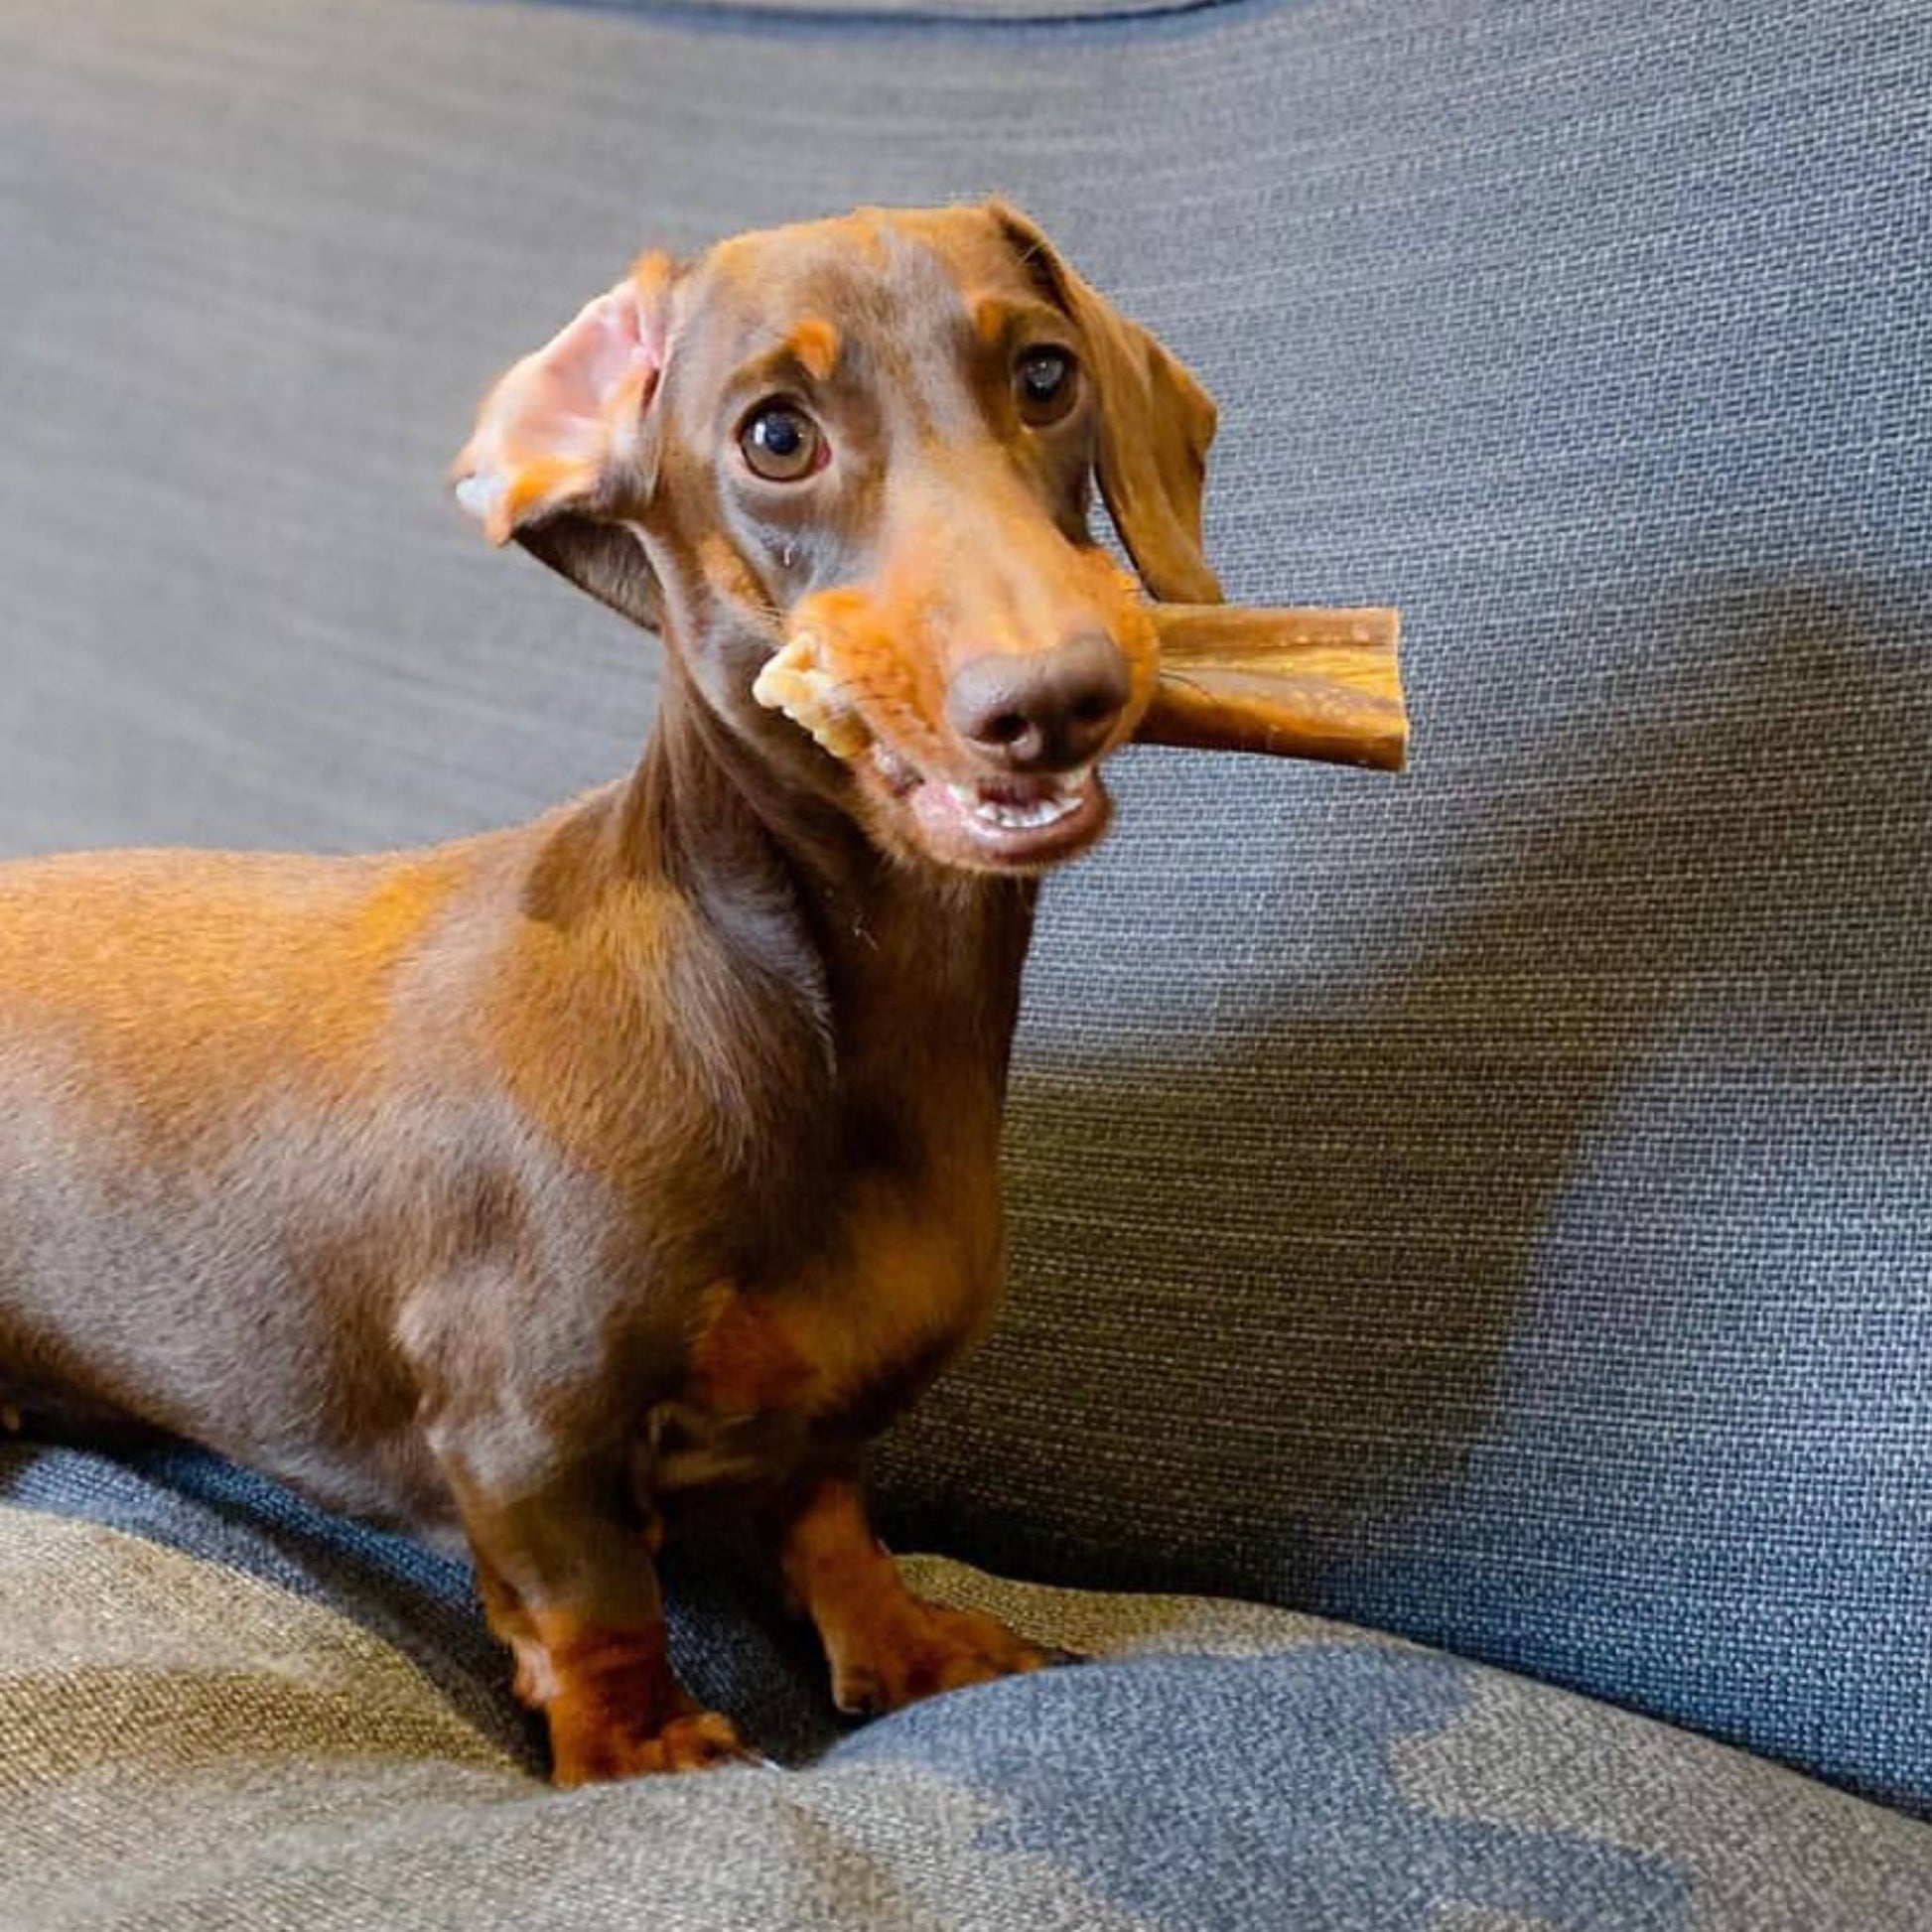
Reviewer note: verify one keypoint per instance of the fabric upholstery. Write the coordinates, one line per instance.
(889, 12)
(194, 1743)
(1489, 1205)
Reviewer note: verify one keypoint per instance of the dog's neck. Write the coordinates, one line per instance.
(913, 972)
(779, 871)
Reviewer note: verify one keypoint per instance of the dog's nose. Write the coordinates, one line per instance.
(1041, 711)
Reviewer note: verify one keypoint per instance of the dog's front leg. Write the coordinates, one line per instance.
(885, 1646)
(568, 1580)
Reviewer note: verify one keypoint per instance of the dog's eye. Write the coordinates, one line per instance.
(1042, 382)
(781, 443)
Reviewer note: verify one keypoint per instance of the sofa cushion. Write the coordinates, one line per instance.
(208, 1728)
(1490, 1204)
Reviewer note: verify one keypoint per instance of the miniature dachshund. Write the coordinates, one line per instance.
(545, 1193)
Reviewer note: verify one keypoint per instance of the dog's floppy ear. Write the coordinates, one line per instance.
(1156, 424)
(563, 443)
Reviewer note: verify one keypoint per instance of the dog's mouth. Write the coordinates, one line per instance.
(984, 822)
(1007, 823)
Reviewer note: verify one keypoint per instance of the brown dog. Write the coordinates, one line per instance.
(539, 1186)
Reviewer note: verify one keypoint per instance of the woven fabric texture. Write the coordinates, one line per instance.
(881, 13)
(193, 1745)
(1490, 1206)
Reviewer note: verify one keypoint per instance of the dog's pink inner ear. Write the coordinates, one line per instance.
(559, 430)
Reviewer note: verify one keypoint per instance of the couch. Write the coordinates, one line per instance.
(1468, 1372)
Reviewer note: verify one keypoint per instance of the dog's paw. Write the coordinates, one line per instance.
(614, 1708)
(921, 1649)
(696, 1741)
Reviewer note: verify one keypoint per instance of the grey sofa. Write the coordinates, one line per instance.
(1469, 1366)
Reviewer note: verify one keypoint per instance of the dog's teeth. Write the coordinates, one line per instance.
(1008, 817)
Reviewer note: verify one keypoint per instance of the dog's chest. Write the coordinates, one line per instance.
(830, 1355)
(902, 1268)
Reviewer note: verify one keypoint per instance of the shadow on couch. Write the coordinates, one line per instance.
(1305, 1294)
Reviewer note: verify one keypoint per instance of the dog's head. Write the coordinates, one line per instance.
(879, 434)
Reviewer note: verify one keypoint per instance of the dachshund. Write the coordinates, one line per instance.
(549, 1192)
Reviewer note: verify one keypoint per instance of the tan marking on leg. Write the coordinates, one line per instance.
(744, 1361)
(885, 1646)
(616, 1708)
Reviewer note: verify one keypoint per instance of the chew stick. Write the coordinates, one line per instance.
(1287, 683)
